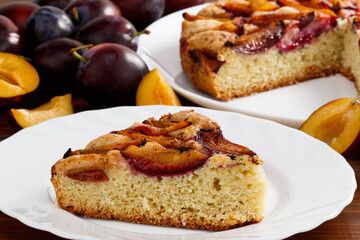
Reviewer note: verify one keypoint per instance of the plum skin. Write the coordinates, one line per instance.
(141, 13)
(111, 75)
(18, 12)
(44, 24)
(10, 39)
(108, 28)
(57, 69)
(90, 9)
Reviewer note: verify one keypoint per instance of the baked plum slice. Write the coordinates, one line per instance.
(214, 140)
(259, 41)
(304, 31)
(262, 19)
(158, 128)
(154, 160)
(96, 175)
(356, 23)
(243, 8)
(210, 63)
(165, 141)
(302, 8)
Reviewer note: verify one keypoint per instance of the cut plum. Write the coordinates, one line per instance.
(336, 123)
(273, 17)
(215, 141)
(302, 8)
(209, 63)
(303, 31)
(96, 175)
(155, 160)
(165, 141)
(242, 8)
(258, 41)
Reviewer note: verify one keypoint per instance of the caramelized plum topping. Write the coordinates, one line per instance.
(347, 4)
(160, 130)
(273, 17)
(305, 20)
(337, 124)
(174, 127)
(295, 4)
(155, 161)
(244, 8)
(146, 130)
(297, 35)
(319, 4)
(163, 122)
(165, 141)
(346, 13)
(209, 63)
(356, 23)
(230, 27)
(97, 175)
(189, 17)
(238, 8)
(214, 140)
(68, 153)
(258, 41)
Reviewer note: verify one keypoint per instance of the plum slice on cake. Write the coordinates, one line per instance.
(176, 171)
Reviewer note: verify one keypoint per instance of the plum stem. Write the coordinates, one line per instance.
(355, 100)
(78, 56)
(140, 33)
(26, 58)
(75, 14)
(75, 54)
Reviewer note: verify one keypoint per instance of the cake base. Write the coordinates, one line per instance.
(215, 197)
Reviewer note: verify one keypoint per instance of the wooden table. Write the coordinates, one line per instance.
(345, 226)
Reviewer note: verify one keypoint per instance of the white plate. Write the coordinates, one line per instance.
(290, 105)
(309, 183)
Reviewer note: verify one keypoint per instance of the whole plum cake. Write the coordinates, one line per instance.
(176, 171)
(235, 48)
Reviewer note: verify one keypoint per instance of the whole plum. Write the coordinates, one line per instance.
(46, 23)
(18, 12)
(114, 29)
(82, 11)
(141, 13)
(10, 39)
(57, 69)
(109, 75)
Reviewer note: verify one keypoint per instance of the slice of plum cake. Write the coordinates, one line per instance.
(236, 48)
(176, 171)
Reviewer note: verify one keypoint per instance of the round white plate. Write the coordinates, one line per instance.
(308, 182)
(290, 105)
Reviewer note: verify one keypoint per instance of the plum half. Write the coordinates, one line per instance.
(336, 123)
(56, 107)
(258, 41)
(154, 90)
(18, 80)
(153, 159)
